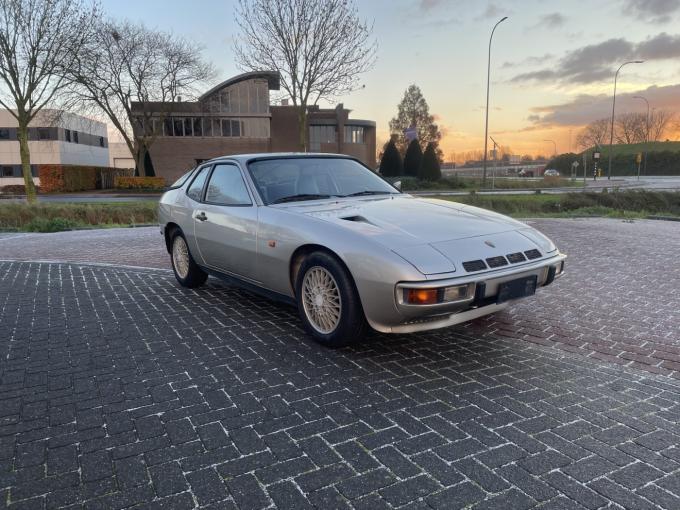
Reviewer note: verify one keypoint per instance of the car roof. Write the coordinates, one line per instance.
(245, 158)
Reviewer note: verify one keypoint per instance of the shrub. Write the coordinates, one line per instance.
(429, 166)
(414, 155)
(390, 163)
(155, 183)
(106, 176)
(15, 189)
(58, 178)
(50, 225)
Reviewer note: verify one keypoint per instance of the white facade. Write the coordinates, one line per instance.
(55, 137)
(120, 156)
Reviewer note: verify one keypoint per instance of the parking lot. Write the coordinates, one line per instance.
(120, 389)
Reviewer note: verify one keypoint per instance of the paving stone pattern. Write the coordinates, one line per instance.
(618, 301)
(119, 389)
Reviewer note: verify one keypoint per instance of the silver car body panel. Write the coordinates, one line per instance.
(386, 242)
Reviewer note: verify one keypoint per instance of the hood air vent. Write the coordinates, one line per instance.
(474, 265)
(533, 254)
(497, 261)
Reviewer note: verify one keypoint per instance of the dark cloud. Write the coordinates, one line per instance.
(552, 20)
(586, 108)
(594, 62)
(655, 11)
(529, 61)
(426, 5)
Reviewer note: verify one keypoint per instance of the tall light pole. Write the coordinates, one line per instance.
(554, 145)
(488, 79)
(646, 130)
(611, 133)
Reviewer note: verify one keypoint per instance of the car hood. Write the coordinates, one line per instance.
(425, 231)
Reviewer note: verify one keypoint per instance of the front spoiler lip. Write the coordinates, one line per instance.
(411, 312)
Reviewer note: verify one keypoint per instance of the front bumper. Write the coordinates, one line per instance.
(481, 302)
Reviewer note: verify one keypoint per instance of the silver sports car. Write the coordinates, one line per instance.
(349, 249)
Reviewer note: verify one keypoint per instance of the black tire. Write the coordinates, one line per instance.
(195, 276)
(351, 325)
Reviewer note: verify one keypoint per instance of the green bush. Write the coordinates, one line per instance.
(429, 166)
(50, 225)
(413, 158)
(390, 163)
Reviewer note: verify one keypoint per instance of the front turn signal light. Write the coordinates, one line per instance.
(422, 296)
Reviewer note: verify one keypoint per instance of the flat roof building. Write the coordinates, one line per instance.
(236, 117)
(54, 137)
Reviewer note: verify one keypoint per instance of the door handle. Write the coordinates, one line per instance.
(201, 216)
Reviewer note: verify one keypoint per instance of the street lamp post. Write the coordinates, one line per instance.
(611, 133)
(646, 131)
(488, 79)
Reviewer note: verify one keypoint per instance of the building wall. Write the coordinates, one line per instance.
(173, 156)
(62, 129)
(120, 156)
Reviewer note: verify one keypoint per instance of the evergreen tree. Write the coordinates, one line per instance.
(413, 111)
(429, 166)
(413, 158)
(390, 163)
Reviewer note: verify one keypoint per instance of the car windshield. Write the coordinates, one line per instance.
(281, 180)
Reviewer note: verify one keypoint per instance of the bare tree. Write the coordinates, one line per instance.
(659, 121)
(39, 39)
(595, 133)
(127, 62)
(631, 128)
(319, 47)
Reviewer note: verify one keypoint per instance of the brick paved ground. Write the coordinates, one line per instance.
(119, 389)
(618, 302)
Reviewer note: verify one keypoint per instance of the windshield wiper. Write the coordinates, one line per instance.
(368, 192)
(301, 196)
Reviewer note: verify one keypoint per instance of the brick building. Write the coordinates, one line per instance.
(236, 117)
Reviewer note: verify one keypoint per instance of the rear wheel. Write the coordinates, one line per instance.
(187, 272)
(328, 302)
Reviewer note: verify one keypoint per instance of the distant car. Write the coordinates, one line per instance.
(327, 234)
(525, 173)
(551, 172)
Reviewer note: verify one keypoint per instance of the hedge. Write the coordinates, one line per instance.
(60, 178)
(138, 182)
(658, 163)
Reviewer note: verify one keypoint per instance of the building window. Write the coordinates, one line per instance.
(75, 137)
(67, 135)
(101, 141)
(4, 134)
(8, 171)
(198, 126)
(43, 134)
(320, 135)
(354, 134)
(167, 127)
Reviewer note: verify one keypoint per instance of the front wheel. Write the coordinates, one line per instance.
(328, 302)
(187, 272)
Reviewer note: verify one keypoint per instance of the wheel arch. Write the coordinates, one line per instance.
(303, 251)
(167, 231)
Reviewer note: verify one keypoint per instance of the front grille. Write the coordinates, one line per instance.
(533, 254)
(497, 261)
(514, 258)
(474, 265)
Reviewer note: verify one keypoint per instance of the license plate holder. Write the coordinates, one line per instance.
(515, 289)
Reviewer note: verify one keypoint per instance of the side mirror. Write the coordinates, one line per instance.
(397, 185)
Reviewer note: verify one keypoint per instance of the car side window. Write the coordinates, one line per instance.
(194, 191)
(226, 187)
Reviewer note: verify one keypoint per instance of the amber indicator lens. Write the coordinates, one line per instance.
(422, 296)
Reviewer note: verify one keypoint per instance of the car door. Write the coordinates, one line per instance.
(225, 223)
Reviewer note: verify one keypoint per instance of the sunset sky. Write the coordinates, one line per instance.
(553, 62)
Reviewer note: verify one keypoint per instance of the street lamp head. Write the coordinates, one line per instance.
(503, 19)
(638, 61)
